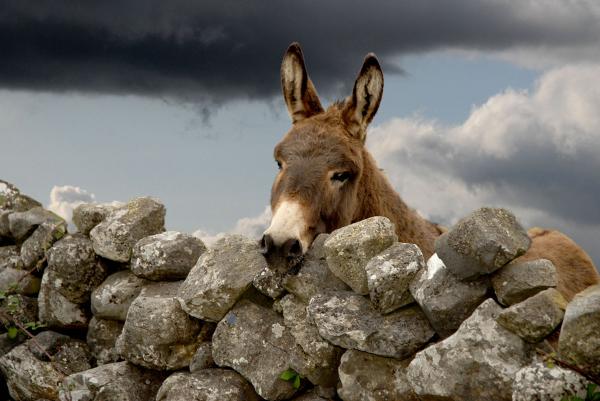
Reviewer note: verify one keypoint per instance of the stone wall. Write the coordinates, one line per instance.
(132, 312)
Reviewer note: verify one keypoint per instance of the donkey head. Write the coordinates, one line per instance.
(320, 159)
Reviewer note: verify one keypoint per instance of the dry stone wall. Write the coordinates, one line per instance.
(124, 310)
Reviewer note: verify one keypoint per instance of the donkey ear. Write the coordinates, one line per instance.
(298, 90)
(361, 107)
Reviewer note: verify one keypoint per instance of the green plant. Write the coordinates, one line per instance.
(292, 376)
(591, 395)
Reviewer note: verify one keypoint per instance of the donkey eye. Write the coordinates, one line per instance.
(341, 177)
(278, 164)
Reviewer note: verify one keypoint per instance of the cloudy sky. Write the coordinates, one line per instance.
(486, 103)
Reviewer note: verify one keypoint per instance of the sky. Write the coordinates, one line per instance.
(485, 103)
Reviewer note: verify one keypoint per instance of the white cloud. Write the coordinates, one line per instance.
(536, 153)
(251, 227)
(63, 199)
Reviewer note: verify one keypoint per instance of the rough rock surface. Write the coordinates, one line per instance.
(166, 256)
(22, 224)
(12, 199)
(520, 280)
(536, 317)
(112, 298)
(9, 257)
(220, 277)
(478, 362)
(314, 276)
(19, 308)
(116, 235)
(579, 340)
(390, 273)
(89, 215)
(322, 358)
(482, 242)
(202, 358)
(446, 300)
(120, 381)
(541, 383)
(349, 320)
(34, 248)
(206, 385)
(102, 336)
(157, 333)
(365, 376)
(349, 248)
(55, 310)
(270, 282)
(254, 341)
(74, 265)
(28, 285)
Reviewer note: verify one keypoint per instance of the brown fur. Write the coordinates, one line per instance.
(323, 143)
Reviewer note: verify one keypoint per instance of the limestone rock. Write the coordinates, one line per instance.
(112, 298)
(349, 320)
(254, 341)
(26, 284)
(55, 310)
(365, 376)
(157, 333)
(321, 357)
(536, 317)
(539, 382)
(220, 277)
(579, 341)
(390, 273)
(478, 362)
(349, 248)
(270, 282)
(12, 199)
(88, 215)
(310, 396)
(34, 248)
(166, 256)
(120, 381)
(446, 300)
(203, 358)
(9, 257)
(314, 276)
(520, 280)
(76, 270)
(116, 235)
(206, 385)
(102, 336)
(22, 224)
(482, 242)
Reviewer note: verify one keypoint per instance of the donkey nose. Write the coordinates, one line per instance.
(289, 249)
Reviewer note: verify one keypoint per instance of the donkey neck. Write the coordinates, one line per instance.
(377, 198)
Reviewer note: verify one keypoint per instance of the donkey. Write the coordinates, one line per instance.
(327, 179)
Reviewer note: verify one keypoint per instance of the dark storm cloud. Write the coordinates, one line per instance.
(219, 50)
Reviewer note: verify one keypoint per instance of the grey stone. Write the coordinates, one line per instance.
(75, 268)
(390, 273)
(520, 280)
(25, 283)
(364, 376)
(102, 337)
(34, 248)
(541, 383)
(314, 276)
(254, 341)
(349, 320)
(536, 317)
(206, 385)
(55, 310)
(9, 257)
(579, 341)
(478, 362)
(120, 381)
(446, 300)
(116, 235)
(7, 344)
(349, 248)
(270, 282)
(482, 242)
(310, 396)
(220, 277)
(22, 224)
(18, 308)
(88, 215)
(12, 199)
(30, 377)
(202, 358)
(5, 234)
(321, 357)
(157, 333)
(166, 256)
(111, 299)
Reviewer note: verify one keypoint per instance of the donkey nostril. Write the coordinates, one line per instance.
(265, 243)
(295, 249)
